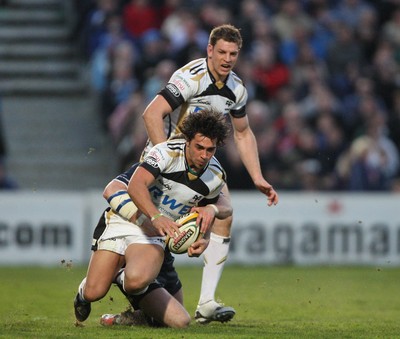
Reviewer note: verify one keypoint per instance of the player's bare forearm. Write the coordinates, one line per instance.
(247, 147)
(153, 119)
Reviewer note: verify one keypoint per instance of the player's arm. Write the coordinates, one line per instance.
(153, 119)
(118, 198)
(140, 195)
(247, 147)
(208, 210)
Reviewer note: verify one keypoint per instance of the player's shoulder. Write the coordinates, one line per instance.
(216, 168)
(235, 78)
(194, 67)
(176, 143)
(235, 82)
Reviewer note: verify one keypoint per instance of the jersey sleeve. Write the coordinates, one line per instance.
(126, 176)
(155, 161)
(181, 86)
(239, 110)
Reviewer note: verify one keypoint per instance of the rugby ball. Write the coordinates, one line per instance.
(189, 234)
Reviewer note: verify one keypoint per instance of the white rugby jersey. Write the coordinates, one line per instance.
(193, 88)
(175, 190)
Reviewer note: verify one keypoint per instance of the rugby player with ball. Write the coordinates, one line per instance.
(176, 177)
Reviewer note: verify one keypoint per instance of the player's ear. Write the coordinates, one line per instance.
(209, 50)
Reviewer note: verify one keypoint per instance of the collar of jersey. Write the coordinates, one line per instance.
(212, 76)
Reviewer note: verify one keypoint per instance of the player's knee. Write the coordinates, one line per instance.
(134, 284)
(93, 293)
(181, 321)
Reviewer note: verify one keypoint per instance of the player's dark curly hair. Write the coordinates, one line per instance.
(208, 122)
(226, 32)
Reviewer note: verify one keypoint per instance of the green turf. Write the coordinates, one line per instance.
(271, 302)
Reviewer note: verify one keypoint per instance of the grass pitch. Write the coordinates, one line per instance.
(271, 302)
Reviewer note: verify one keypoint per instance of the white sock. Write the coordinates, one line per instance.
(214, 260)
(80, 290)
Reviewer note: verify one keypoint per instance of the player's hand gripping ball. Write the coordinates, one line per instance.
(190, 233)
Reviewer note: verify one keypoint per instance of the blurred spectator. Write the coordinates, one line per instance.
(155, 48)
(139, 17)
(306, 70)
(213, 13)
(367, 32)
(158, 79)
(344, 55)
(108, 41)
(269, 73)
(252, 13)
(122, 80)
(127, 130)
(372, 161)
(350, 12)
(95, 25)
(391, 29)
(386, 72)
(290, 19)
(394, 120)
(190, 42)
(319, 100)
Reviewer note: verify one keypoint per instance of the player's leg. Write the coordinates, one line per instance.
(143, 263)
(215, 257)
(167, 279)
(157, 308)
(102, 269)
(165, 309)
(105, 261)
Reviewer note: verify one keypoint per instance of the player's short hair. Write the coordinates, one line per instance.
(208, 122)
(225, 32)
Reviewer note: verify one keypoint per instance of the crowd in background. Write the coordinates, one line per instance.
(322, 76)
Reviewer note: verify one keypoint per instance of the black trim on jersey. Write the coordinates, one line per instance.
(198, 68)
(99, 230)
(205, 202)
(181, 177)
(154, 171)
(172, 100)
(212, 89)
(176, 146)
(238, 113)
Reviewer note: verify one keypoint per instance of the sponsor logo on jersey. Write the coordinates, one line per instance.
(180, 84)
(173, 90)
(151, 161)
(202, 102)
(229, 103)
(155, 155)
(195, 199)
(168, 201)
(167, 186)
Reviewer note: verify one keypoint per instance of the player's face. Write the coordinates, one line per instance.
(199, 151)
(222, 58)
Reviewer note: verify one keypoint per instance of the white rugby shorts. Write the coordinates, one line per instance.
(120, 233)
